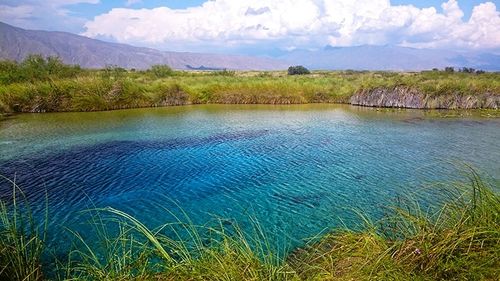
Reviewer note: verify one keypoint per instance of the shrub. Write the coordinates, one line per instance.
(36, 68)
(170, 94)
(467, 70)
(113, 72)
(161, 70)
(9, 72)
(224, 72)
(298, 70)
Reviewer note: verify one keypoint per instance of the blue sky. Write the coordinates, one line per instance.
(266, 27)
(466, 6)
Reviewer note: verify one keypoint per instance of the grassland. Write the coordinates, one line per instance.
(459, 239)
(39, 85)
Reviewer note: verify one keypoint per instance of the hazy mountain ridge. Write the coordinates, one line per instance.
(17, 43)
(369, 57)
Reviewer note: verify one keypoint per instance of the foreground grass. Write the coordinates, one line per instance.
(460, 240)
(93, 90)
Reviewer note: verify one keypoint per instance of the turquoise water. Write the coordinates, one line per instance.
(297, 169)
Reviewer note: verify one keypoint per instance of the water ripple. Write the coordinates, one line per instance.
(296, 172)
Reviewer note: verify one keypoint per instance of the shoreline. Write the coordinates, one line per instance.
(97, 91)
(4, 115)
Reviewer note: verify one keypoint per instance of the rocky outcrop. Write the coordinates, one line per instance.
(405, 97)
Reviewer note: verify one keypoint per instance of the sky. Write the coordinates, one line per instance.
(261, 27)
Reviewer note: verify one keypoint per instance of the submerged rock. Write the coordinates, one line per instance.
(406, 97)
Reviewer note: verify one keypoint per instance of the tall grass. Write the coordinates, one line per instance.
(458, 239)
(114, 88)
(21, 239)
(130, 250)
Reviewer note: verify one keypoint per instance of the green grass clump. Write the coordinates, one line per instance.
(456, 239)
(459, 241)
(21, 240)
(131, 251)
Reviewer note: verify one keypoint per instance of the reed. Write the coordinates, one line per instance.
(458, 241)
(21, 239)
(108, 89)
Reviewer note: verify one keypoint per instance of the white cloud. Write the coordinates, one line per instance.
(48, 14)
(132, 2)
(21, 12)
(289, 24)
(448, 30)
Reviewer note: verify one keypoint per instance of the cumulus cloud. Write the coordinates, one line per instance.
(290, 24)
(303, 23)
(217, 21)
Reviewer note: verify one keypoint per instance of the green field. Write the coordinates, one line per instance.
(40, 85)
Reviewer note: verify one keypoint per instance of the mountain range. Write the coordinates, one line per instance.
(368, 57)
(17, 43)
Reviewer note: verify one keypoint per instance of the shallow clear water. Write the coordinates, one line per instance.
(297, 169)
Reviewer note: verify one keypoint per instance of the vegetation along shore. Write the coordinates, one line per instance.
(46, 85)
(457, 240)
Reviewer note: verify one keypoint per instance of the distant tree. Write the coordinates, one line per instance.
(161, 70)
(480, 71)
(34, 67)
(435, 69)
(56, 67)
(224, 72)
(298, 70)
(113, 71)
(467, 70)
(449, 69)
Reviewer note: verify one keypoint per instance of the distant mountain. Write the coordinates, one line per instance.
(392, 58)
(17, 43)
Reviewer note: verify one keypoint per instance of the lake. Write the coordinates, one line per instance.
(297, 169)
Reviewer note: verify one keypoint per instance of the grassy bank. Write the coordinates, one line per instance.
(50, 88)
(459, 240)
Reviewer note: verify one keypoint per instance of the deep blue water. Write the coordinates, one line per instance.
(296, 169)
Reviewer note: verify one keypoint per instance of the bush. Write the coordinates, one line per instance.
(113, 72)
(224, 72)
(36, 68)
(9, 72)
(298, 70)
(161, 70)
(467, 70)
(449, 69)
